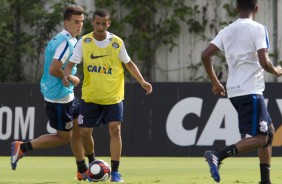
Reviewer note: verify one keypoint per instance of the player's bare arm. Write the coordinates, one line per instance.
(67, 77)
(134, 71)
(217, 87)
(266, 63)
(56, 69)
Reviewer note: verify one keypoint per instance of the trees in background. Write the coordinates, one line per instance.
(27, 25)
(147, 26)
(25, 28)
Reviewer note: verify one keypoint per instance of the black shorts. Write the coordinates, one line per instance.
(61, 115)
(95, 115)
(253, 116)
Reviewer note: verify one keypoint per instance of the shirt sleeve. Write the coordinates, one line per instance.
(77, 53)
(62, 52)
(261, 38)
(123, 56)
(218, 40)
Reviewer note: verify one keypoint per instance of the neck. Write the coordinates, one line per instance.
(100, 37)
(246, 15)
(72, 35)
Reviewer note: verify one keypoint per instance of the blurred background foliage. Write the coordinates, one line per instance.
(25, 28)
(27, 25)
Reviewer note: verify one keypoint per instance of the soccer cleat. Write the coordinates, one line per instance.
(213, 161)
(83, 176)
(16, 153)
(116, 177)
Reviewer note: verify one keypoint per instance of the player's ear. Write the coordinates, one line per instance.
(256, 9)
(66, 22)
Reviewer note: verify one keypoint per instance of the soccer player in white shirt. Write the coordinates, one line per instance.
(245, 44)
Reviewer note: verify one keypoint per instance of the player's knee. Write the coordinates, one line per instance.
(85, 133)
(115, 129)
(270, 139)
(64, 138)
(260, 140)
(271, 132)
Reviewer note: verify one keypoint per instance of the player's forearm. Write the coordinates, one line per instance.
(210, 71)
(68, 69)
(59, 73)
(134, 71)
(268, 67)
(265, 61)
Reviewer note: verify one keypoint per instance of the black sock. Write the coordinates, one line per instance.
(265, 173)
(26, 146)
(91, 158)
(227, 152)
(81, 166)
(114, 165)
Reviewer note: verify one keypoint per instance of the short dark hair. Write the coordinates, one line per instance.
(247, 4)
(72, 10)
(102, 13)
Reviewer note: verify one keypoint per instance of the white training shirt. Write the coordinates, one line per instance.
(62, 53)
(240, 42)
(78, 54)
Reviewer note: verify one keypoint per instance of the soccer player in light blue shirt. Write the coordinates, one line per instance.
(60, 103)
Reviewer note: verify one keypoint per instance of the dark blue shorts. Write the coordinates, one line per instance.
(61, 115)
(253, 116)
(95, 115)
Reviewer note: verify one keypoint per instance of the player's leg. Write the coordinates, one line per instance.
(247, 107)
(59, 121)
(51, 140)
(265, 160)
(87, 146)
(76, 143)
(251, 110)
(78, 152)
(115, 149)
(214, 158)
(115, 141)
(90, 114)
(88, 143)
(114, 117)
(60, 118)
(265, 154)
(42, 142)
(251, 143)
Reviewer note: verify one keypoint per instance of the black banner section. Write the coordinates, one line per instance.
(177, 119)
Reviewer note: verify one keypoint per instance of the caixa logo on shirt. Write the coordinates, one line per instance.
(99, 69)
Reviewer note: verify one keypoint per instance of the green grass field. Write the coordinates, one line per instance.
(139, 170)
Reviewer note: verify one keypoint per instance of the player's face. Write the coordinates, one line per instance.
(100, 25)
(74, 25)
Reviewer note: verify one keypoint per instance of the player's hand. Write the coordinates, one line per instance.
(218, 89)
(74, 80)
(278, 70)
(70, 79)
(66, 81)
(147, 86)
